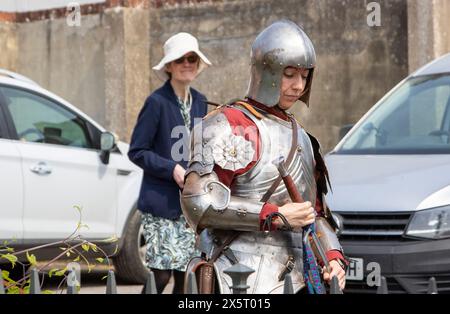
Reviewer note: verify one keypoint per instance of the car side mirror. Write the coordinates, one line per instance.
(107, 142)
(344, 130)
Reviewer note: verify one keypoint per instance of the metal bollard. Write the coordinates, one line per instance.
(239, 274)
(72, 283)
(150, 285)
(35, 285)
(334, 287)
(383, 289)
(111, 286)
(288, 287)
(192, 284)
(2, 285)
(432, 286)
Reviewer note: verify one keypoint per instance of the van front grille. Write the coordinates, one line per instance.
(373, 225)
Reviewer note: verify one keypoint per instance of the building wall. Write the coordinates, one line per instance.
(104, 66)
(356, 64)
(429, 31)
(8, 45)
(69, 61)
(101, 66)
(442, 26)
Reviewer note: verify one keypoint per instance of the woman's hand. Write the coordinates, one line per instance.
(297, 214)
(336, 270)
(178, 175)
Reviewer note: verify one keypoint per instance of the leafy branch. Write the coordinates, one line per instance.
(72, 244)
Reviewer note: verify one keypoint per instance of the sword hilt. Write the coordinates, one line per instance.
(297, 198)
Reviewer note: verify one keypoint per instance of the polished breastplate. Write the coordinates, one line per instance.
(276, 140)
(268, 252)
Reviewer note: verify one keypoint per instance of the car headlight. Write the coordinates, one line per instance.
(431, 223)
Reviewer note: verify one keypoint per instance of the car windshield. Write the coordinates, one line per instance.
(414, 119)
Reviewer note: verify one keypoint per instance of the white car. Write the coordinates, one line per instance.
(54, 157)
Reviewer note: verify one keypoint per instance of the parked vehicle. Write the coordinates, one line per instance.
(54, 157)
(391, 186)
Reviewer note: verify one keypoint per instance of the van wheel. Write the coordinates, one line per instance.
(130, 262)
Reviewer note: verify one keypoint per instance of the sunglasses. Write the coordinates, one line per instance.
(190, 59)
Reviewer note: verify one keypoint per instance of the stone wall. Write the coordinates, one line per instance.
(357, 64)
(8, 46)
(104, 66)
(101, 66)
(428, 31)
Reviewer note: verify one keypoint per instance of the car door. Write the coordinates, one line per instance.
(61, 170)
(11, 185)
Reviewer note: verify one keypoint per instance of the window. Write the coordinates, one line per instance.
(37, 119)
(414, 119)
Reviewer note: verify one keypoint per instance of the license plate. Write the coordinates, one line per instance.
(355, 270)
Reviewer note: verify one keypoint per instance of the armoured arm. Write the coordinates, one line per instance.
(325, 224)
(322, 182)
(207, 203)
(327, 236)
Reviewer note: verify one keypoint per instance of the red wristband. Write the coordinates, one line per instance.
(266, 211)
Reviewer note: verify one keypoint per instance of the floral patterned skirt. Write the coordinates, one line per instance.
(170, 244)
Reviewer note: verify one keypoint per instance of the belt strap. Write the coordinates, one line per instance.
(224, 246)
(249, 108)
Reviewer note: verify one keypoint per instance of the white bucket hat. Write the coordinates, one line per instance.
(177, 46)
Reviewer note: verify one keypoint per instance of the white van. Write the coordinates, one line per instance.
(391, 187)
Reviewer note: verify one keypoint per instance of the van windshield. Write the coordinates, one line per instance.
(415, 119)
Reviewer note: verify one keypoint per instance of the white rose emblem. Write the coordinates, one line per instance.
(233, 152)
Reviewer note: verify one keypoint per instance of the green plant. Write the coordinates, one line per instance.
(72, 246)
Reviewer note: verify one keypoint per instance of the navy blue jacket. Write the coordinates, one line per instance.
(151, 145)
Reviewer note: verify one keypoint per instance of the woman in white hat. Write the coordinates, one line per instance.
(170, 244)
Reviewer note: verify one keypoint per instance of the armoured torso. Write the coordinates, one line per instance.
(266, 252)
(276, 139)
